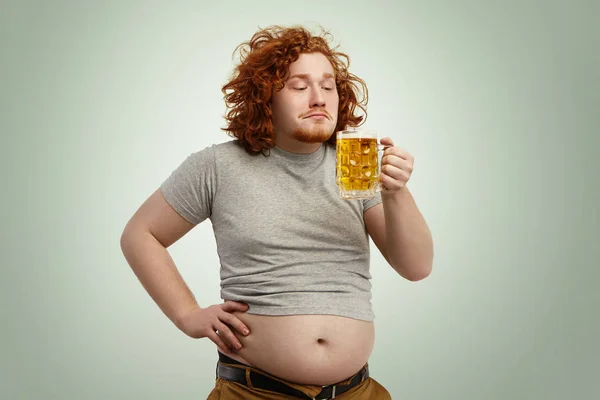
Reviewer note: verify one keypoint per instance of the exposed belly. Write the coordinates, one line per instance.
(306, 349)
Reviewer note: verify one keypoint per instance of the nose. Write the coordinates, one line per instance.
(317, 99)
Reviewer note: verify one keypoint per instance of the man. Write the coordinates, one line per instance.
(297, 319)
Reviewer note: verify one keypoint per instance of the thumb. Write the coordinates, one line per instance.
(230, 306)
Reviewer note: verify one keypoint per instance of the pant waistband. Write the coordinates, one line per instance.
(232, 370)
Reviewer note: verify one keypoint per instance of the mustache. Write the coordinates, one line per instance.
(315, 112)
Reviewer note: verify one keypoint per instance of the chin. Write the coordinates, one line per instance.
(317, 134)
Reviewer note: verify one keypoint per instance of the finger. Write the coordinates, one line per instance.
(387, 141)
(395, 161)
(234, 322)
(216, 339)
(395, 173)
(231, 306)
(398, 152)
(227, 335)
(390, 183)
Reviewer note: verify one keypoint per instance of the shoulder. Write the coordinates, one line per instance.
(227, 146)
(229, 149)
(213, 152)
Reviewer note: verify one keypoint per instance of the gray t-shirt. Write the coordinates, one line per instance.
(287, 243)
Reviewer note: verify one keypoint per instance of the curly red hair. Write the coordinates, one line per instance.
(264, 63)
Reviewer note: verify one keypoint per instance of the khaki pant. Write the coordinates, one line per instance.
(369, 389)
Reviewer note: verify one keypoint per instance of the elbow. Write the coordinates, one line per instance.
(125, 243)
(418, 275)
(125, 237)
(413, 272)
(128, 238)
(414, 267)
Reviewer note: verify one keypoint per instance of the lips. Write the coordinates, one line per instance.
(317, 115)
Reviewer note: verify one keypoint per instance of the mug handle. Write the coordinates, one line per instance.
(380, 149)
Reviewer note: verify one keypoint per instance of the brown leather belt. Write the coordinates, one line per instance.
(260, 381)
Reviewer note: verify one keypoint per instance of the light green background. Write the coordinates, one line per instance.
(498, 102)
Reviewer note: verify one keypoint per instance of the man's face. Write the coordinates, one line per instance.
(306, 108)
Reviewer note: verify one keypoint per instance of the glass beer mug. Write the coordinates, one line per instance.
(358, 164)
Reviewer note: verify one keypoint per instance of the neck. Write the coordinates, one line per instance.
(296, 146)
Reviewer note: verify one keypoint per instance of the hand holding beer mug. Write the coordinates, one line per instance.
(358, 164)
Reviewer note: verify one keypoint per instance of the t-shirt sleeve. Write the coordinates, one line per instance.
(191, 187)
(368, 203)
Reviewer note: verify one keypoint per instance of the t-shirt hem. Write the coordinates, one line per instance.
(372, 203)
(298, 310)
(170, 198)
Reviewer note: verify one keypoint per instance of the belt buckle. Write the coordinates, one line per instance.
(332, 392)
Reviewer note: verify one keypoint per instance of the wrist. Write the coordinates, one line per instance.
(182, 317)
(396, 194)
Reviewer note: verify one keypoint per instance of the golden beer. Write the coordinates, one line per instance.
(357, 168)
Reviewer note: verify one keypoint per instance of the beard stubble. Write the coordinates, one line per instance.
(318, 134)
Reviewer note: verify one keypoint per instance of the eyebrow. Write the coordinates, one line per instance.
(306, 76)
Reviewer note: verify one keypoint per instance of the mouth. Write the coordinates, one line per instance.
(317, 116)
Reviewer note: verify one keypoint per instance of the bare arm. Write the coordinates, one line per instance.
(144, 242)
(401, 234)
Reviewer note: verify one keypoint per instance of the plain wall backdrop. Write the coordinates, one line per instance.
(498, 101)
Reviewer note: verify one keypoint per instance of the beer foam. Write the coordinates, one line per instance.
(357, 135)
